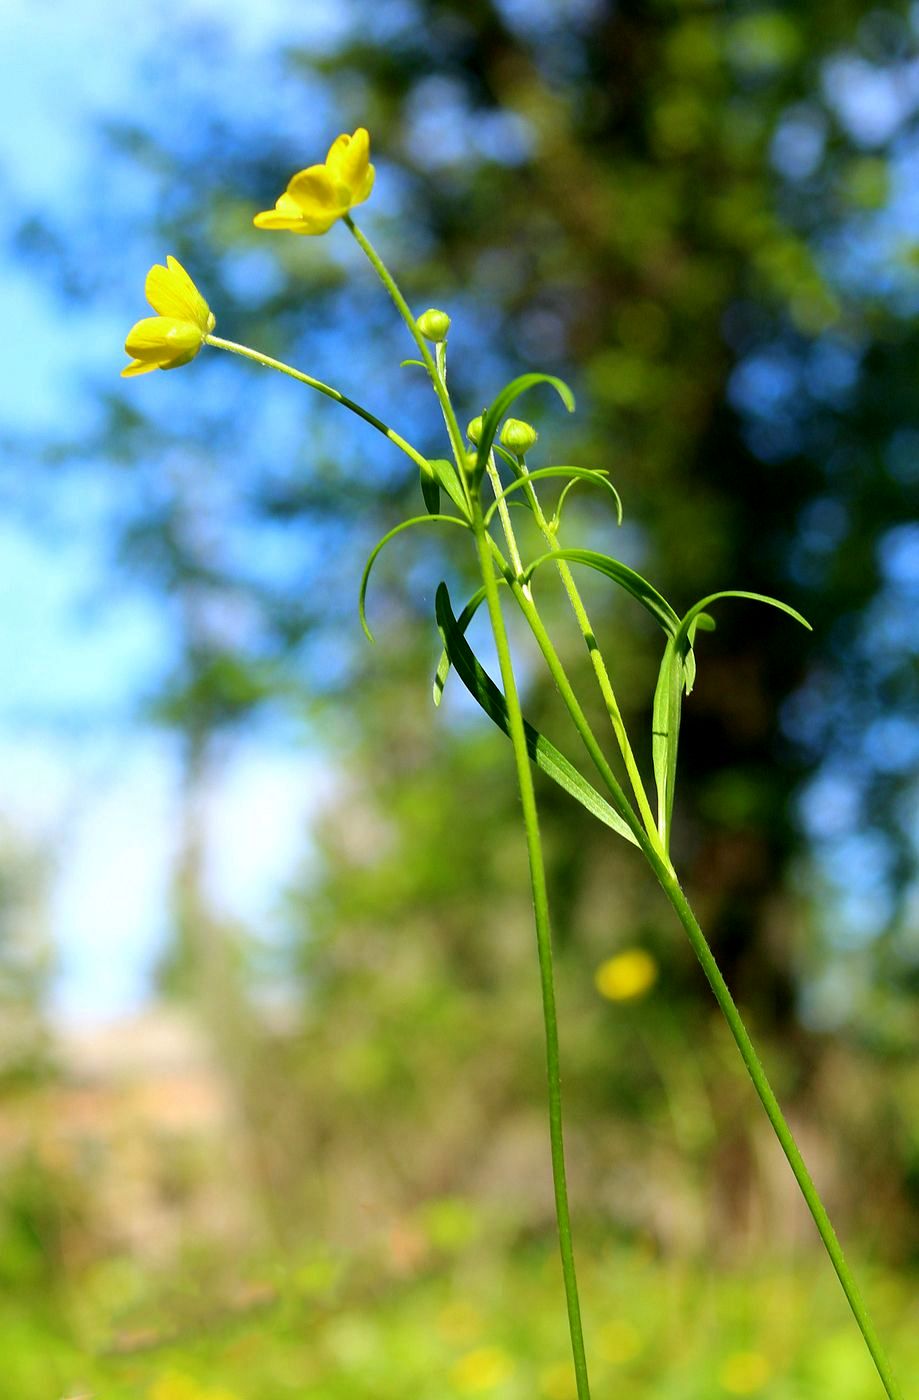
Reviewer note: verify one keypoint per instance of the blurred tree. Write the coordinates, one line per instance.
(695, 213)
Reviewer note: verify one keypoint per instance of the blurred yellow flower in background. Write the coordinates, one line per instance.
(619, 1341)
(176, 1385)
(481, 1370)
(176, 334)
(316, 197)
(744, 1373)
(627, 975)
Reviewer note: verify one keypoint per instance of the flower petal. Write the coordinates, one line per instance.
(171, 292)
(314, 193)
(348, 159)
(270, 218)
(162, 338)
(138, 367)
(363, 190)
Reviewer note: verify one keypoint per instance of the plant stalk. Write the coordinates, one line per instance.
(402, 306)
(543, 942)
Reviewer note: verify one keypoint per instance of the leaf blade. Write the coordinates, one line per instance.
(542, 752)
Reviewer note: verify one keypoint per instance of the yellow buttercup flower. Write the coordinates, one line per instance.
(175, 335)
(626, 976)
(316, 197)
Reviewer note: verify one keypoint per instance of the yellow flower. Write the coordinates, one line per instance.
(744, 1373)
(175, 335)
(627, 975)
(316, 197)
(481, 1370)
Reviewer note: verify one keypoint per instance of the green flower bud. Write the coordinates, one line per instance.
(518, 437)
(470, 463)
(474, 429)
(434, 324)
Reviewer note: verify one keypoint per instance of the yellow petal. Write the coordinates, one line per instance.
(162, 338)
(363, 190)
(314, 193)
(171, 292)
(270, 218)
(138, 367)
(348, 159)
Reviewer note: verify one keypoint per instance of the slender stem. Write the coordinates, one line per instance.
(543, 942)
(703, 952)
(330, 393)
(402, 306)
(505, 518)
(596, 659)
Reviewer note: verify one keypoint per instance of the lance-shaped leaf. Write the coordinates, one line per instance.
(492, 418)
(430, 490)
(668, 696)
(633, 583)
(391, 534)
(543, 753)
(445, 476)
(462, 622)
(620, 573)
(598, 478)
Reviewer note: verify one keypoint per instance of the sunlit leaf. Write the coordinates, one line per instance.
(445, 475)
(620, 573)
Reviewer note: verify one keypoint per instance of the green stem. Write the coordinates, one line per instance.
(703, 952)
(543, 942)
(402, 306)
(330, 393)
(505, 517)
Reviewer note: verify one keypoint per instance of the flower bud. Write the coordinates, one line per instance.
(474, 429)
(470, 463)
(518, 437)
(434, 324)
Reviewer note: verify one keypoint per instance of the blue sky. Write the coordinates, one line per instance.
(79, 778)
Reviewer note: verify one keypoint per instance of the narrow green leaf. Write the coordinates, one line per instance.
(420, 363)
(462, 622)
(445, 475)
(430, 490)
(543, 753)
(697, 611)
(665, 733)
(599, 478)
(391, 534)
(492, 419)
(620, 573)
(676, 673)
(508, 457)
